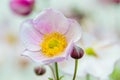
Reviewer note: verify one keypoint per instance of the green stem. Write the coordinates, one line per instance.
(87, 77)
(56, 70)
(75, 69)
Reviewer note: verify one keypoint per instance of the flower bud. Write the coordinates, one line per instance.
(39, 70)
(77, 52)
(22, 7)
(110, 1)
(116, 1)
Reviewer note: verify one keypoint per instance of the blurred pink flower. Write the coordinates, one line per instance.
(22, 7)
(49, 37)
(110, 1)
(116, 1)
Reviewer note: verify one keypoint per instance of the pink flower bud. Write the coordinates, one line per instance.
(116, 1)
(39, 70)
(77, 52)
(22, 7)
(110, 1)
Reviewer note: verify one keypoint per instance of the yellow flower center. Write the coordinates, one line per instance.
(53, 44)
(90, 51)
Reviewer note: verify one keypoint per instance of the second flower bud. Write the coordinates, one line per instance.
(77, 52)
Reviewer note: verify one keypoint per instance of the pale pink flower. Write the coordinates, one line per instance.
(49, 37)
(22, 7)
(110, 1)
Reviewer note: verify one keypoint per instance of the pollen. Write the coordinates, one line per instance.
(53, 44)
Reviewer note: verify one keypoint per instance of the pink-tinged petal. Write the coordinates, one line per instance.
(68, 49)
(51, 20)
(29, 36)
(74, 31)
(34, 55)
(52, 60)
(38, 57)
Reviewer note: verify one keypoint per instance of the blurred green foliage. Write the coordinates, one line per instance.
(116, 73)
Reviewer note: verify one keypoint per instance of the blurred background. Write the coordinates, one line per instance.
(98, 17)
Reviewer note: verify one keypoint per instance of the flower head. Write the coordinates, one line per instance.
(49, 37)
(22, 7)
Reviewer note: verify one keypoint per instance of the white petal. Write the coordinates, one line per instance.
(34, 55)
(51, 20)
(29, 36)
(74, 31)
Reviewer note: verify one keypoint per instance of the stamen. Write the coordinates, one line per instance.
(53, 44)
